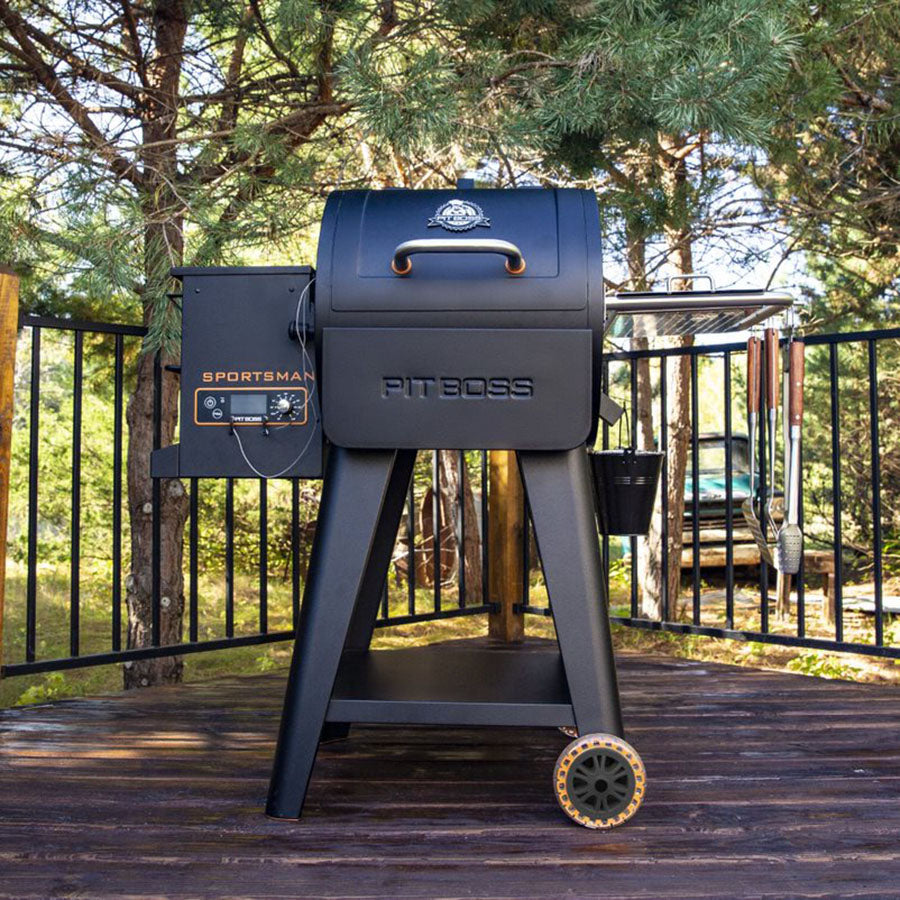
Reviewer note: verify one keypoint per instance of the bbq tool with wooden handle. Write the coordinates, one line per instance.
(747, 507)
(789, 547)
(771, 354)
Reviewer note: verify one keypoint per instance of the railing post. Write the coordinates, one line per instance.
(9, 325)
(506, 537)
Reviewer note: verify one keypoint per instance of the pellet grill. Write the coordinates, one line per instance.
(466, 319)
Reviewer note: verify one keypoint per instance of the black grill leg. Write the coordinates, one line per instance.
(353, 496)
(363, 622)
(369, 601)
(559, 490)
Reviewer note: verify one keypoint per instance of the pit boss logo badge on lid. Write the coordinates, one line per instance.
(459, 215)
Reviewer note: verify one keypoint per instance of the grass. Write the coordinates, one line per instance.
(95, 633)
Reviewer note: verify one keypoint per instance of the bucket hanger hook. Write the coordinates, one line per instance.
(628, 430)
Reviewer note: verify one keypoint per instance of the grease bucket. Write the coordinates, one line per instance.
(625, 483)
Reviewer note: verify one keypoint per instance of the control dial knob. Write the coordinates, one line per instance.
(285, 406)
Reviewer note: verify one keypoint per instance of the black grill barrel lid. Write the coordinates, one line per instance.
(556, 231)
(460, 318)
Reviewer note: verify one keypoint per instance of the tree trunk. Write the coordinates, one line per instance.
(469, 548)
(428, 567)
(650, 575)
(173, 514)
(680, 255)
(163, 248)
(679, 440)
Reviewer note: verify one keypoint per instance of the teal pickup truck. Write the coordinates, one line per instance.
(711, 480)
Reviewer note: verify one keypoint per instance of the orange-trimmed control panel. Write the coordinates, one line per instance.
(250, 406)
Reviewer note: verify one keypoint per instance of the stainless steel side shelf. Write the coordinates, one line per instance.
(650, 314)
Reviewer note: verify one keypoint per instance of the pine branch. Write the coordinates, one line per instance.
(48, 79)
(134, 39)
(863, 97)
(231, 100)
(286, 61)
(265, 86)
(387, 13)
(533, 66)
(90, 37)
(80, 67)
(296, 128)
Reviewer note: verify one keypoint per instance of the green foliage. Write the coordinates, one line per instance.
(855, 448)
(54, 474)
(206, 144)
(814, 662)
(892, 630)
(619, 572)
(658, 106)
(53, 634)
(835, 158)
(52, 686)
(648, 67)
(55, 439)
(54, 477)
(406, 100)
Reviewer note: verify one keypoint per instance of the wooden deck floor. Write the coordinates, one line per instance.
(760, 785)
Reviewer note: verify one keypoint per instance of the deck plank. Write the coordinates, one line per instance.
(761, 784)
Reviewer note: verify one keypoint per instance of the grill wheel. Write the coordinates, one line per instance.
(599, 781)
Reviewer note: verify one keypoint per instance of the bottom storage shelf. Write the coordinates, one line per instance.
(444, 685)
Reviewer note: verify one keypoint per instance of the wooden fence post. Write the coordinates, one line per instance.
(9, 325)
(506, 536)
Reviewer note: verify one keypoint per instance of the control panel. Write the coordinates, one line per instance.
(250, 406)
(249, 390)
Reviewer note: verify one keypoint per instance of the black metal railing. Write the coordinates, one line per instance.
(219, 615)
(826, 542)
(110, 346)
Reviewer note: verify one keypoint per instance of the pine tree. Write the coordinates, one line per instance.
(834, 175)
(137, 136)
(650, 102)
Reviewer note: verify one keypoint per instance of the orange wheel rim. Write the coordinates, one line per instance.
(599, 781)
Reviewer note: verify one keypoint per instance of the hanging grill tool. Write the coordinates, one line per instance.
(748, 507)
(771, 354)
(786, 414)
(789, 547)
(447, 320)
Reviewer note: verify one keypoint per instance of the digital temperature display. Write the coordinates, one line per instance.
(250, 407)
(248, 404)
